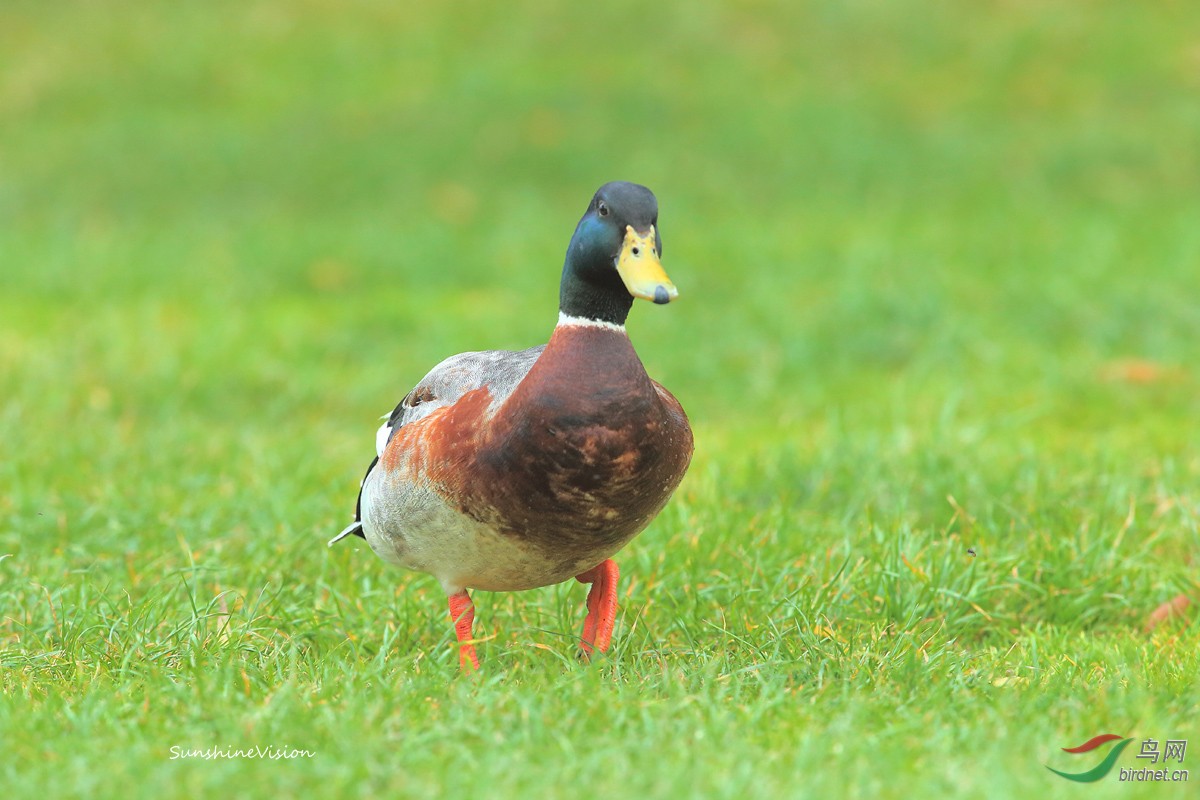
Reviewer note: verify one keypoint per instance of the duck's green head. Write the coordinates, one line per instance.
(615, 255)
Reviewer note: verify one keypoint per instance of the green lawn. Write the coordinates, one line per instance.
(939, 269)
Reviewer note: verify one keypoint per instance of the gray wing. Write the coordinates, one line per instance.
(499, 370)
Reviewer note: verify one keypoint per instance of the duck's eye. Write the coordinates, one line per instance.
(603, 209)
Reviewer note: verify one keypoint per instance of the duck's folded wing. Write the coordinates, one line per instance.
(499, 370)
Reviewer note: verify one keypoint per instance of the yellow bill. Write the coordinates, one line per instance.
(640, 269)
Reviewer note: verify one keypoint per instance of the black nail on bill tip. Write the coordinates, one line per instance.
(660, 295)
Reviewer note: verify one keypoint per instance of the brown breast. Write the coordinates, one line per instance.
(580, 458)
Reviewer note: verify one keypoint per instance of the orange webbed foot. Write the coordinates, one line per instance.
(602, 607)
(462, 614)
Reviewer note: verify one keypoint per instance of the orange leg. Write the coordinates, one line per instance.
(462, 614)
(602, 607)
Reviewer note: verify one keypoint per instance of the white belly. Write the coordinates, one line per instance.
(412, 527)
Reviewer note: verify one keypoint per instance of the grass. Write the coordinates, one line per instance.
(938, 267)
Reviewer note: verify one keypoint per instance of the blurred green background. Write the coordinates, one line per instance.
(851, 192)
(924, 250)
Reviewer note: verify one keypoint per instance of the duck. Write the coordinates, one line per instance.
(505, 471)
